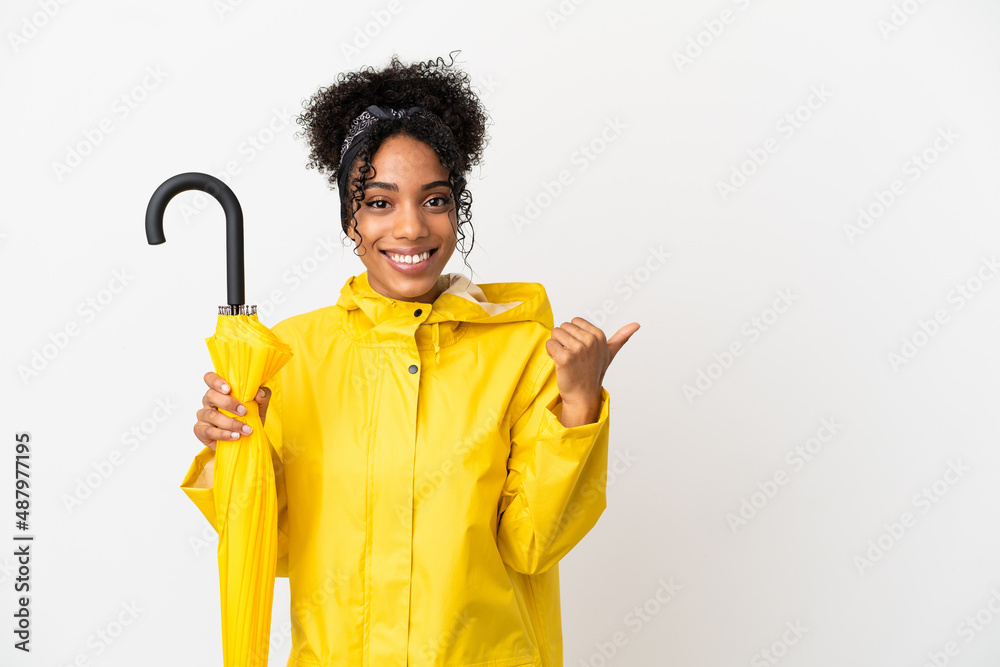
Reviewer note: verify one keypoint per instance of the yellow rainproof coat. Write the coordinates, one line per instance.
(426, 487)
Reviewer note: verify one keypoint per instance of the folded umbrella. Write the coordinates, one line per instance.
(247, 354)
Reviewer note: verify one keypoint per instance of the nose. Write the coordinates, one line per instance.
(409, 222)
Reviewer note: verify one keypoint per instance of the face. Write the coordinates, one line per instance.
(408, 210)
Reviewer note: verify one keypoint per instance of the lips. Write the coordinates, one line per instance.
(409, 268)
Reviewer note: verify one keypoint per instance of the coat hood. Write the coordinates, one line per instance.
(461, 301)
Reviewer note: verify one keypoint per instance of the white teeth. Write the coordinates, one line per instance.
(410, 259)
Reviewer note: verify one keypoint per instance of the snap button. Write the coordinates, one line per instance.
(417, 312)
(413, 368)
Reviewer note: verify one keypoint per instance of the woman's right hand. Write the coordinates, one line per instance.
(212, 425)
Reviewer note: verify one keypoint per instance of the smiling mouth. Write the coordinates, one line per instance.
(406, 262)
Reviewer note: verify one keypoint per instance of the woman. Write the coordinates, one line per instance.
(439, 445)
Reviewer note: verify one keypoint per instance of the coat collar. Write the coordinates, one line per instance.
(461, 301)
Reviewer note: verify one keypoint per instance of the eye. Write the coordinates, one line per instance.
(442, 200)
(377, 203)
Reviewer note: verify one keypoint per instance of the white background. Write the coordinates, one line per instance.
(891, 77)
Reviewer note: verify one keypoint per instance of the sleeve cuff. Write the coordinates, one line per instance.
(553, 410)
(199, 482)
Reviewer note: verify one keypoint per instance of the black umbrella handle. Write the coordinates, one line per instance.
(194, 180)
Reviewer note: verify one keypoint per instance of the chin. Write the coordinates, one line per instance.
(408, 288)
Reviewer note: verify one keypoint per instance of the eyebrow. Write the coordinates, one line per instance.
(395, 188)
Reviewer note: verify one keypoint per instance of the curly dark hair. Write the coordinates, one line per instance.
(455, 128)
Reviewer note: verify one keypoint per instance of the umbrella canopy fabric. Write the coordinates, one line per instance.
(247, 354)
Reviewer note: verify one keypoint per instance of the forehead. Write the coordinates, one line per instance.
(403, 158)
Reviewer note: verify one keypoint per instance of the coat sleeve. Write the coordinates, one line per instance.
(556, 482)
(198, 484)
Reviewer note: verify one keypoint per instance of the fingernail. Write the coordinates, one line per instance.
(225, 388)
(235, 435)
(260, 394)
(241, 410)
(247, 429)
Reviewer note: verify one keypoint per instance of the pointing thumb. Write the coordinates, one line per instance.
(621, 336)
